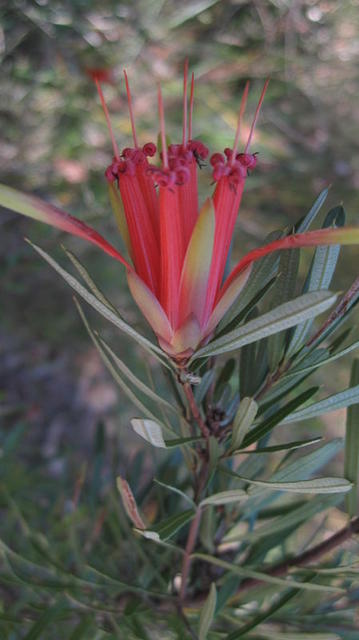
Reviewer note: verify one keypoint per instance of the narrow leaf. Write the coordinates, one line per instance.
(224, 497)
(168, 527)
(286, 315)
(311, 215)
(243, 420)
(337, 401)
(285, 446)
(243, 571)
(96, 304)
(88, 280)
(316, 485)
(136, 381)
(207, 613)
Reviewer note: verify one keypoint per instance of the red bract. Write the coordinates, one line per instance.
(177, 250)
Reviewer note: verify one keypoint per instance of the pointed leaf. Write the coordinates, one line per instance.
(88, 280)
(37, 209)
(207, 613)
(286, 315)
(311, 215)
(136, 381)
(286, 446)
(337, 401)
(96, 304)
(284, 290)
(317, 485)
(168, 527)
(114, 372)
(227, 299)
(265, 577)
(320, 275)
(224, 497)
(243, 420)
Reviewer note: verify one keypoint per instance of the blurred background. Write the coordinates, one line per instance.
(54, 390)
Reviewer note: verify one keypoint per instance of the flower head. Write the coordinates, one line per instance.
(177, 249)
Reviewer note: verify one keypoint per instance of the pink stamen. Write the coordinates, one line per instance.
(162, 129)
(242, 109)
(256, 115)
(107, 116)
(185, 82)
(191, 101)
(129, 101)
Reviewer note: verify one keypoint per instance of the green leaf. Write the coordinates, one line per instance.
(311, 215)
(135, 380)
(178, 491)
(278, 417)
(351, 459)
(316, 485)
(245, 572)
(168, 527)
(89, 281)
(201, 390)
(285, 522)
(321, 273)
(179, 442)
(224, 497)
(285, 446)
(100, 307)
(243, 420)
(125, 388)
(207, 613)
(286, 315)
(261, 279)
(149, 430)
(284, 290)
(278, 604)
(320, 359)
(332, 403)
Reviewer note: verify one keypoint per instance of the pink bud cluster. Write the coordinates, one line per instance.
(235, 168)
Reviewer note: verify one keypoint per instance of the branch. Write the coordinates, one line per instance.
(282, 568)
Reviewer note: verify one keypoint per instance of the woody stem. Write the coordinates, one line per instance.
(191, 541)
(195, 410)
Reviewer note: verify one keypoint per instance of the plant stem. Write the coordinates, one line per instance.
(195, 410)
(191, 541)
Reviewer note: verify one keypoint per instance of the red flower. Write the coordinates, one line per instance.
(178, 251)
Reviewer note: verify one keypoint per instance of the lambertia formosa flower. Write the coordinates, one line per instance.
(177, 250)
